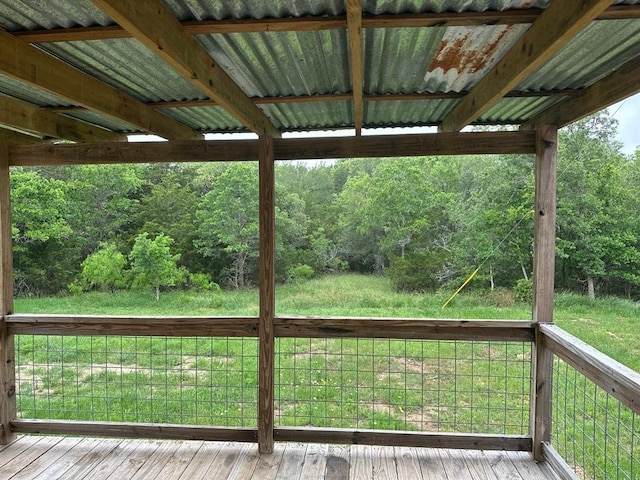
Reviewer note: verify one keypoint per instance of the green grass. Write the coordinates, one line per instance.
(478, 387)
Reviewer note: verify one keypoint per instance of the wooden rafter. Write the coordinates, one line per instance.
(153, 24)
(208, 27)
(555, 27)
(10, 137)
(27, 117)
(354, 33)
(621, 84)
(30, 65)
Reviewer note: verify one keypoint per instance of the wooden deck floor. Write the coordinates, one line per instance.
(93, 458)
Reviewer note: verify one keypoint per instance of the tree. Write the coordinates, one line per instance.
(152, 263)
(103, 269)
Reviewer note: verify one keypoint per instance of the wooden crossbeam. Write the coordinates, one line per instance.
(354, 34)
(621, 84)
(555, 27)
(27, 117)
(31, 65)
(10, 137)
(156, 27)
(304, 24)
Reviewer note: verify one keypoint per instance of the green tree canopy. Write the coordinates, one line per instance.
(152, 263)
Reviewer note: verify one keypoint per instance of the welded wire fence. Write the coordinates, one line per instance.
(193, 381)
(596, 434)
(413, 385)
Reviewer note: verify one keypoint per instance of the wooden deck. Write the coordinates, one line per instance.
(94, 458)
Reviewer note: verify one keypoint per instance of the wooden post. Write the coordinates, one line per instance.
(543, 276)
(267, 295)
(7, 351)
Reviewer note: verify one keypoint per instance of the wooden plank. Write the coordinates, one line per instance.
(403, 439)
(47, 459)
(74, 455)
(501, 465)
(238, 465)
(478, 464)
(135, 460)
(354, 42)
(455, 465)
(315, 462)
(155, 26)
(7, 346)
(617, 86)
(305, 24)
(107, 463)
(527, 468)
(544, 241)
(431, 464)
(361, 462)
(557, 25)
(9, 137)
(292, 461)
(89, 461)
(134, 430)
(180, 460)
(268, 464)
(557, 463)
(338, 463)
(155, 462)
(26, 458)
(541, 390)
(408, 466)
(10, 451)
(24, 116)
(384, 463)
(202, 460)
(375, 146)
(30, 65)
(435, 329)
(267, 247)
(174, 326)
(613, 377)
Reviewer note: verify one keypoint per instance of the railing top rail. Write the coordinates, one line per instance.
(615, 378)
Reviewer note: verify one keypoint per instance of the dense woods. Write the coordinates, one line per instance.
(425, 223)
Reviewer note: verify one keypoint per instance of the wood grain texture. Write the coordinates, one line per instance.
(557, 463)
(134, 430)
(540, 400)
(175, 326)
(306, 24)
(7, 346)
(155, 26)
(615, 378)
(284, 149)
(267, 251)
(558, 24)
(30, 65)
(28, 117)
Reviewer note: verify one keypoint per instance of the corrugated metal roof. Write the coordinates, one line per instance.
(37, 14)
(517, 110)
(289, 116)
(104, 121)
(208, 119)
(26, 93)
(403, 113)
(381, 7)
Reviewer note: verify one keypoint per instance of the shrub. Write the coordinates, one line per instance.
(301, 272)
(524, 290)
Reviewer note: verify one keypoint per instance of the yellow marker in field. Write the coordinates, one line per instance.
(461, 287)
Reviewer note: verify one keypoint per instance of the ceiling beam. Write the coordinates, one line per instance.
(354, 34)
(153, 24)
(621, 84)
(10, 137)
(305, 24)
(31, 65)
(557, 25)
(28, 117)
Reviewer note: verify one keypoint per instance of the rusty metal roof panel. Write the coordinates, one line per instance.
(129, 66)
(205, 119)
(405, 113)
(597, 51)
(283, 63)
(313, 116)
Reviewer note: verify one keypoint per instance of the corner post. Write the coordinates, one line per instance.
(543, 282)
(7, 349)
(267, 295)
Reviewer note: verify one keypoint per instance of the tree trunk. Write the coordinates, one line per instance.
(591, 291)
(157, 292)
(524, 271)
(491, 280)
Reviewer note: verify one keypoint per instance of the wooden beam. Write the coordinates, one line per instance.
(556, 26)
(30, 65)
(619, 85)
(163, 326)
(156, 27)
(134, 430)
(7, 347)
(305, 24)
(266, 354)
(557, 463)
(354, 34)
(404, 439)
(613, 377)
(514, 142)
(540, 399)
(24, 116)
(9, 137)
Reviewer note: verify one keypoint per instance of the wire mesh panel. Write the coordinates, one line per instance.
(415, 385)
(597, 435)
(192, 381)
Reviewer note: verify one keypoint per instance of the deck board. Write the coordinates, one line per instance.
(47, 458)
